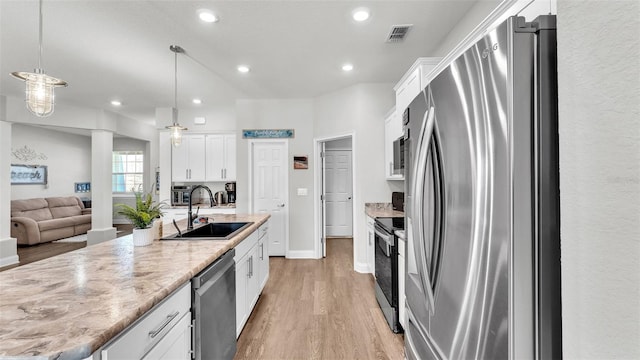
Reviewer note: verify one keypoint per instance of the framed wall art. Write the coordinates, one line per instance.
(28, 174)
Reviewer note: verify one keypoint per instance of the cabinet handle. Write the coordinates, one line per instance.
(158, 330)
(221, 174)
(186, 173)
(261, 251)
(225, 173)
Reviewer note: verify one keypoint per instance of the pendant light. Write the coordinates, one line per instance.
(176, 129)
(39, 86)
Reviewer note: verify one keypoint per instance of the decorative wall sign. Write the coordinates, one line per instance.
(83, 187)
(27, 154)
(28, 175)
(267, 133)
(300, 162)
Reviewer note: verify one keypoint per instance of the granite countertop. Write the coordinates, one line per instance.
(70, 305)
(375, 210)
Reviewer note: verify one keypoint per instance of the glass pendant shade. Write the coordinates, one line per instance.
(39, 93)
(176, 129)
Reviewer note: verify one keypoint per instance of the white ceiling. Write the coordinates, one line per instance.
(110, 50)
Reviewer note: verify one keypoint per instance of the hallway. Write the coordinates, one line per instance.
(319, 309)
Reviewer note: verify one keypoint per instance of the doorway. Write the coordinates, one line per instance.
(269, 189)
(335, 190)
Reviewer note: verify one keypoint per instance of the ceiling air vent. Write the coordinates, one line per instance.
(398, 33)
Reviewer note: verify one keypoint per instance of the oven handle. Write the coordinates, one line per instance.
(380, 232)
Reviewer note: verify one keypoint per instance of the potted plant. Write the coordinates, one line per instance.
(142, 217)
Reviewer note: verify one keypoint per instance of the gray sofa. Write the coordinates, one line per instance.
(41, 220)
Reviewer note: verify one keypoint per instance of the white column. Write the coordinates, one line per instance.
(8, 245)
(101, 197)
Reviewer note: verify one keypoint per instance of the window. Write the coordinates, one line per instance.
(127, 171)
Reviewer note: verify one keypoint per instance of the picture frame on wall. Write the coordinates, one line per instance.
(28, 174)
(300, 162)
(82, 187)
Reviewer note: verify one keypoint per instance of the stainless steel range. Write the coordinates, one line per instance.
(386, 262)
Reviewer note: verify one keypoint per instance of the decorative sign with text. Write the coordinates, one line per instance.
(268, 133)
(28, 175)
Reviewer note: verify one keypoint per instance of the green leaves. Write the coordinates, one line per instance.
(144, 213)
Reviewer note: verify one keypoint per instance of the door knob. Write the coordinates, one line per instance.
(280, 205)
(349, 198)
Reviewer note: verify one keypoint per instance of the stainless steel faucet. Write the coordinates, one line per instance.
(189, 214)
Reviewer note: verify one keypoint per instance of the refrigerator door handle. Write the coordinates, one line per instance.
(419, 167)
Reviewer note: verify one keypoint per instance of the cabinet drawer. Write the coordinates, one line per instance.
(135, 341)
(263, 230)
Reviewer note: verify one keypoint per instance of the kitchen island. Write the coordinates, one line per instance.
(70, 305)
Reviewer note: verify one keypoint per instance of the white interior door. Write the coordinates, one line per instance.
(323, 182)
(338, 193)
(270, 190)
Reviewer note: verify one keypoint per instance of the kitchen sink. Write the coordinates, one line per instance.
(211, 231)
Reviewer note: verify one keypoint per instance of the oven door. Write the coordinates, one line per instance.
(386, 264)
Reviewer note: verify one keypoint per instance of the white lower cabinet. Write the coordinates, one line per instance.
(371, 241)
(176, 344)
(162, 333)
(251, 273)
(402, 311)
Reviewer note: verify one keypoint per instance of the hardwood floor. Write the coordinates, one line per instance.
(319, 309)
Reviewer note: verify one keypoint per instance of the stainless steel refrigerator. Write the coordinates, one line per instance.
(482, 202)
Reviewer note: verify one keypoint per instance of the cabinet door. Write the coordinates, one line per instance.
(242, 276)
(215, 157)
(197, 156)
(180, 161)
(401, 274)
(371, 238)
(230, 157)
(388, 147)
(263, 255)
(176, 344)
(253, 286)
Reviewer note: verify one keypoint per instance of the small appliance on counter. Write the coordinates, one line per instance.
(231, 192)
(219, 198)
(397, 201)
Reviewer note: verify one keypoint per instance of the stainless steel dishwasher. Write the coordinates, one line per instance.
(214, 310)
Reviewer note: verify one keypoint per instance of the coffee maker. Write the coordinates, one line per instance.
(231, 192)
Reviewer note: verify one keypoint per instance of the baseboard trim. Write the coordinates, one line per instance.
(301, 254)
(362, 268)
(9, 260)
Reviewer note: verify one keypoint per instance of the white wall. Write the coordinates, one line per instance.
(294, 114)
(359, 109)
(599, 104)
(67, 156)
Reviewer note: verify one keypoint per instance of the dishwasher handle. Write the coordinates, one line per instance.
(214, 271)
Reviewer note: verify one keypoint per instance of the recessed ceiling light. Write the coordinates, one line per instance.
(347, 67)
(243, 68)
(360, 14)
(197, 101)
(207, 16)
(116, 102)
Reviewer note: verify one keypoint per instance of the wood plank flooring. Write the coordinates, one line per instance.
(319, 309)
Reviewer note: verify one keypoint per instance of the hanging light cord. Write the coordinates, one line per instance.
(175, 72)
(40, 38)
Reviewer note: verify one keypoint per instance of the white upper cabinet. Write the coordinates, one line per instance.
(221, 157)
(414, 81)
(187, 160)
(392, 131)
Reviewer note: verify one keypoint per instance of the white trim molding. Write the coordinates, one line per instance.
(8, 252)
(301, 254)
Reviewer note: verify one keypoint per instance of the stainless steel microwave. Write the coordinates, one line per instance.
(398, 156)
